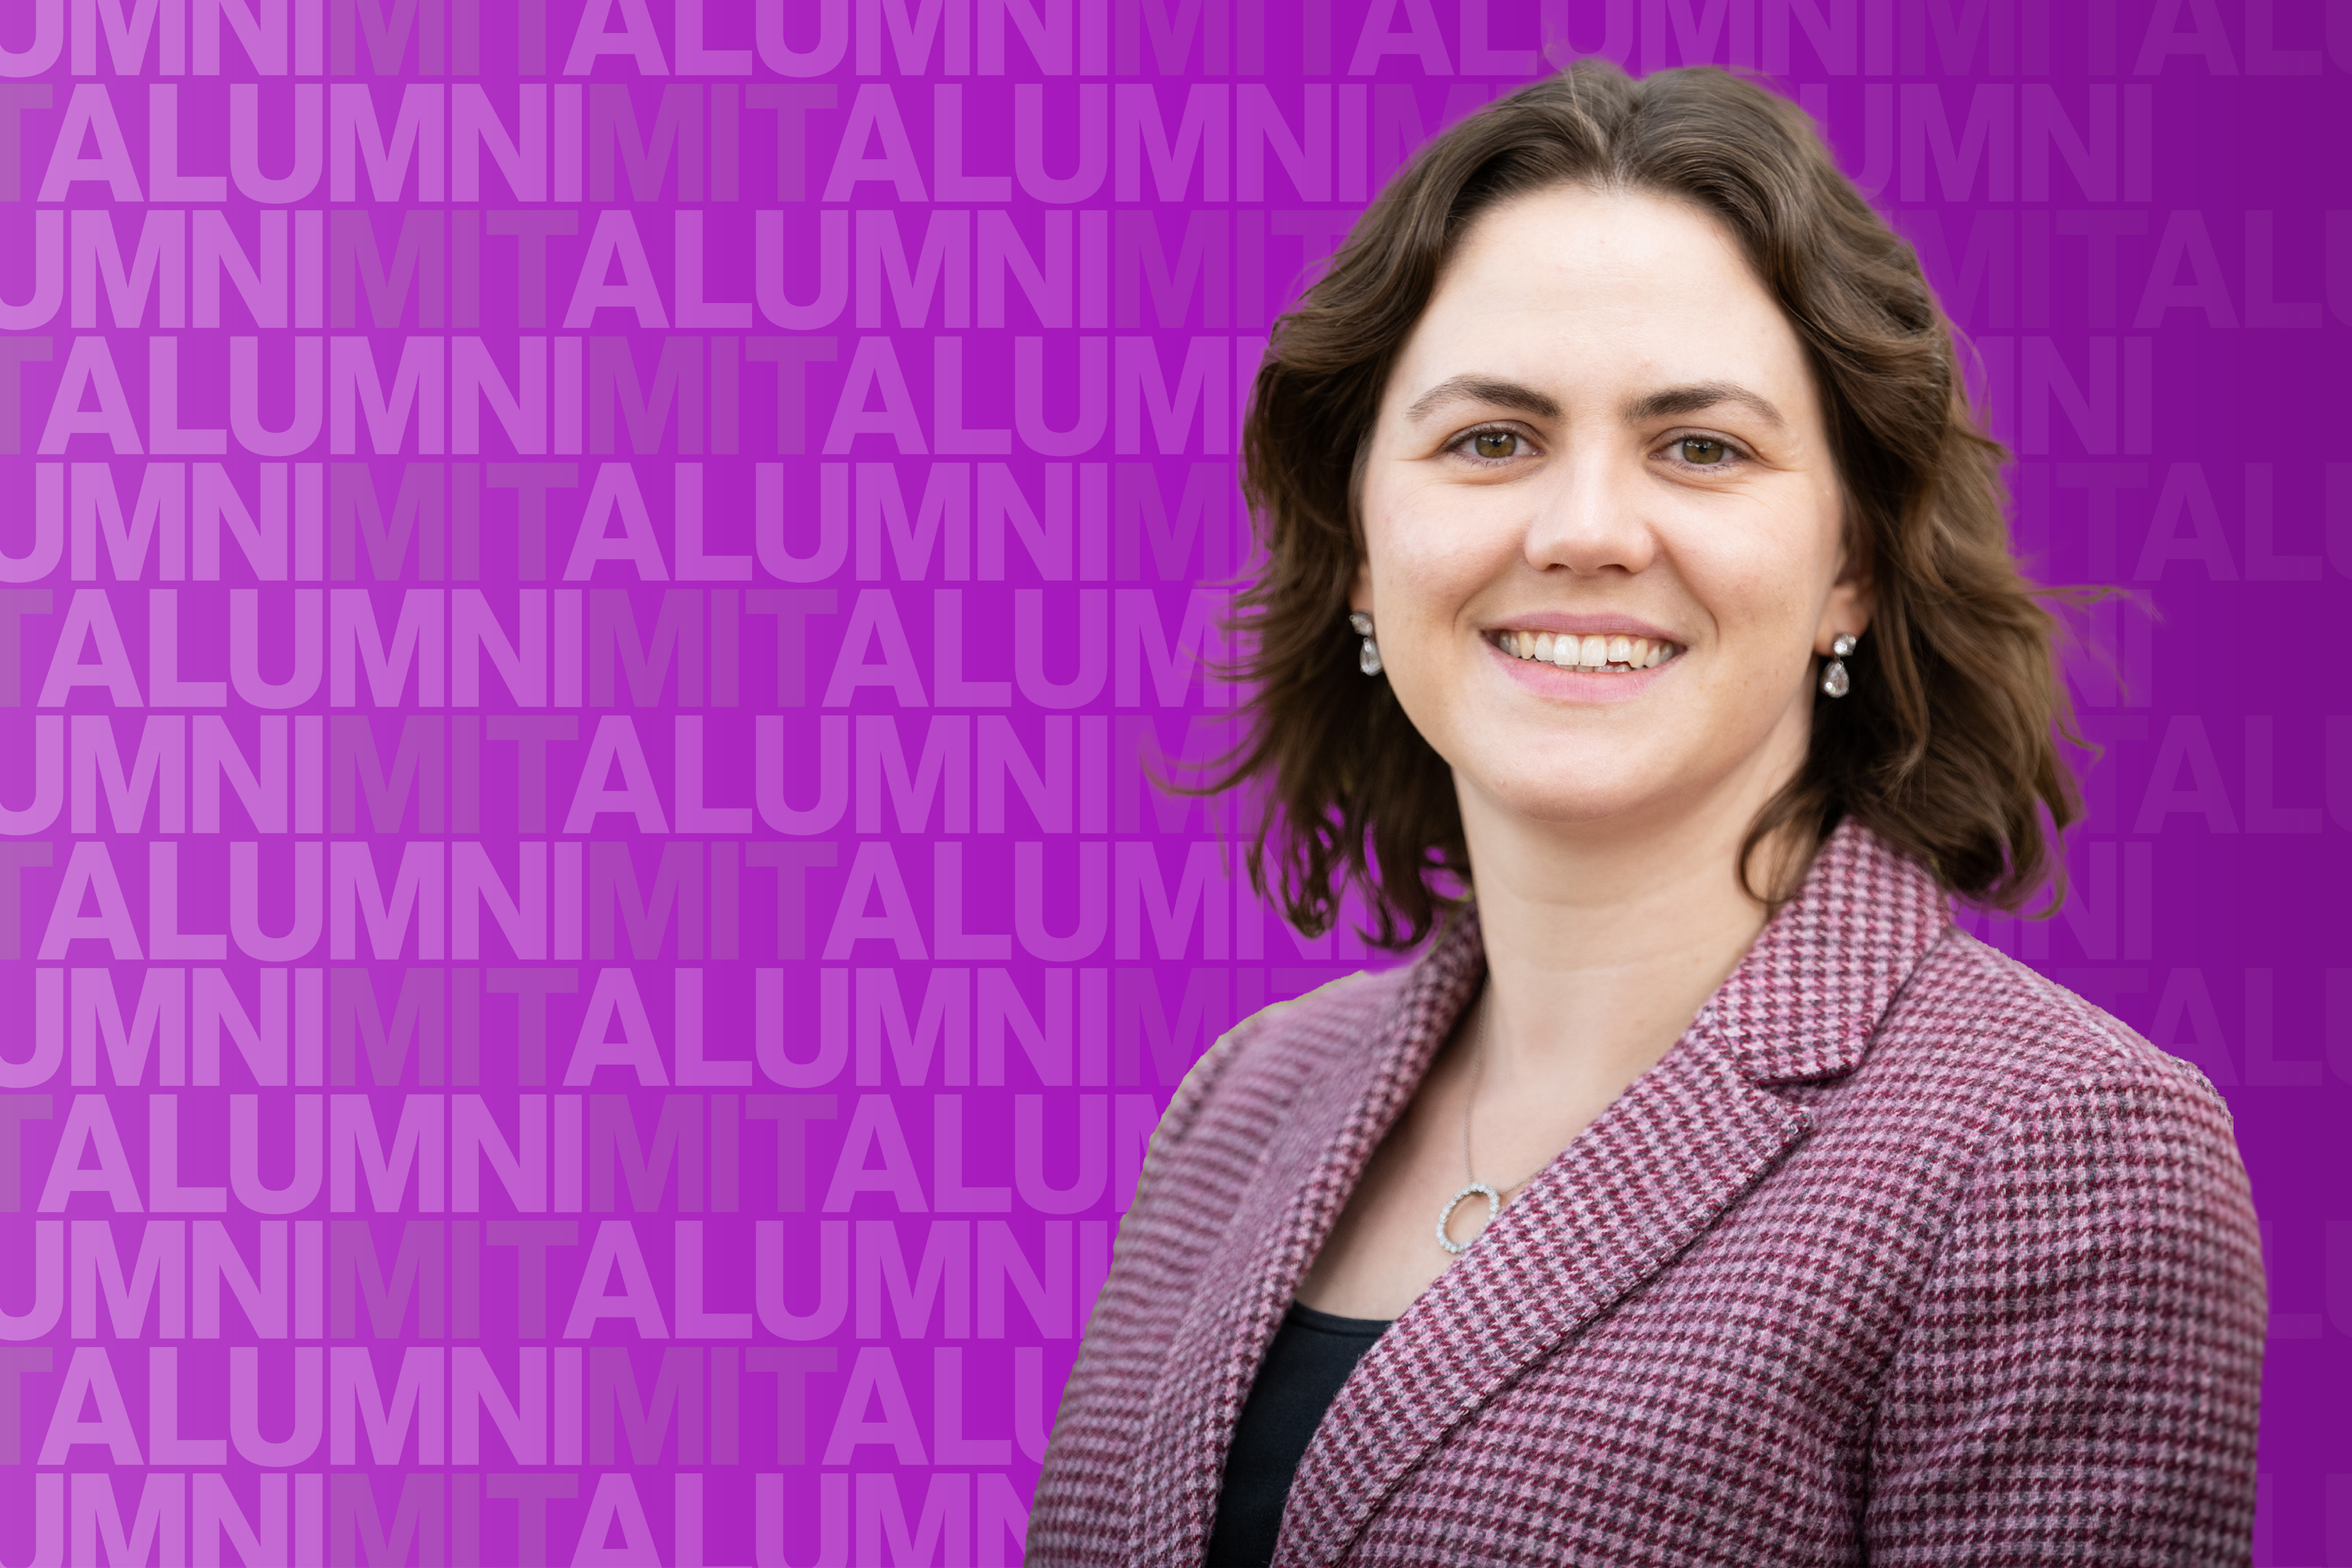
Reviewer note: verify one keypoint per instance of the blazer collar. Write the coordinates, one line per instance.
(1805, 1001)
(1305, 1174)
(1627, 1196)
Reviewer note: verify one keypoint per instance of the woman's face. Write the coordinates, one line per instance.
(1600, 517)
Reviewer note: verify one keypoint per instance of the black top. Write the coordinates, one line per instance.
(1311, 1356)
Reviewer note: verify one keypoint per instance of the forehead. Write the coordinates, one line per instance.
(1589, 292)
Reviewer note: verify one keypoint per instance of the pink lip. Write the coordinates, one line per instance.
(1581, 685)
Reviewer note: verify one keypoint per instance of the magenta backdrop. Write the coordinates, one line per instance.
(588, 952)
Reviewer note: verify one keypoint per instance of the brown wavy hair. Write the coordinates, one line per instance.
(1948, 744)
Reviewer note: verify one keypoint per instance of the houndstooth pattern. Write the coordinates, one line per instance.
(1902, 1255)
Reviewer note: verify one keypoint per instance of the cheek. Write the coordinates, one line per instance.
(1760, 579)
(1431, 547)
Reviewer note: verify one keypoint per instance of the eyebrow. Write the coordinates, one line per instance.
(1700, 395)
(1662, 404)
(1475, 388)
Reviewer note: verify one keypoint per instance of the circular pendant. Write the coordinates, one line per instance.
(1444, 1215)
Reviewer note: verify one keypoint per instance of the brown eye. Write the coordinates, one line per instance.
(1492, 443)
(1701, 452)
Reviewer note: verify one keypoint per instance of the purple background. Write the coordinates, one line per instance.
(951, 952)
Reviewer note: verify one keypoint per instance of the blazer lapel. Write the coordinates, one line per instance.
(1635, 1188)
(1646, 1179)
(1308, 1173)
(1641, 1183)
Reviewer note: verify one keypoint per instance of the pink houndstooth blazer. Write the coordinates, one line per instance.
(1901, 1255)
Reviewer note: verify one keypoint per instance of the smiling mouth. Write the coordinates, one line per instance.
(1593, 655)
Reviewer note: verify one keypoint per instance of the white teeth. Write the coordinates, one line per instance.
(1571, 652)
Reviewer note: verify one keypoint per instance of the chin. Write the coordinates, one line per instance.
(1570, 794)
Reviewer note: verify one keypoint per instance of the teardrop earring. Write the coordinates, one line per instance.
(1834, 679)
(1367, 658)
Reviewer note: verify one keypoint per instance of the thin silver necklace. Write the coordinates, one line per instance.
(1476, 1188)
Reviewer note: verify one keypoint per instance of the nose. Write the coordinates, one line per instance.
(1590, 519)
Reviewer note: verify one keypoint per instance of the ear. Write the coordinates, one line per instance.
(1848, 609)
(1360, 587)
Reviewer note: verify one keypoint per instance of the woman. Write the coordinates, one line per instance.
(1640, 619)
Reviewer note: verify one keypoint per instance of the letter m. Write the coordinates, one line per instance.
(356, 642)
(159, 266)
(613, 387)
(613, 1140)
(353, 1391)
(1204, 136)
(355, 765)
(158, 1527)
(677, 1396)
(943, 1276)
(1140, 640)
(386, 25)
(355, 260)
(1139, 1018)
(613, 128)
(354, 134)
(354, 1019)
(613, 636)
(159, 1273)
(356, 1274)
(355, 516)
(1989, 138)
(1139, 386)
(355, 894)
(354, 1143)
(1140, 892)
(354, 388)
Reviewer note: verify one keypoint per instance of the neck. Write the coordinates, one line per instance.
(1604, 938)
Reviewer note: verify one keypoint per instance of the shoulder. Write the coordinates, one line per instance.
(1993, 1028)
(1989, 1091)
(1283, 1043)
(2081, 1351)
(1265, 1090)
(2034, 1112)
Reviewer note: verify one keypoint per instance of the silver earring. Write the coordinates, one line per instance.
(1834, 679)
(1369, 659)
